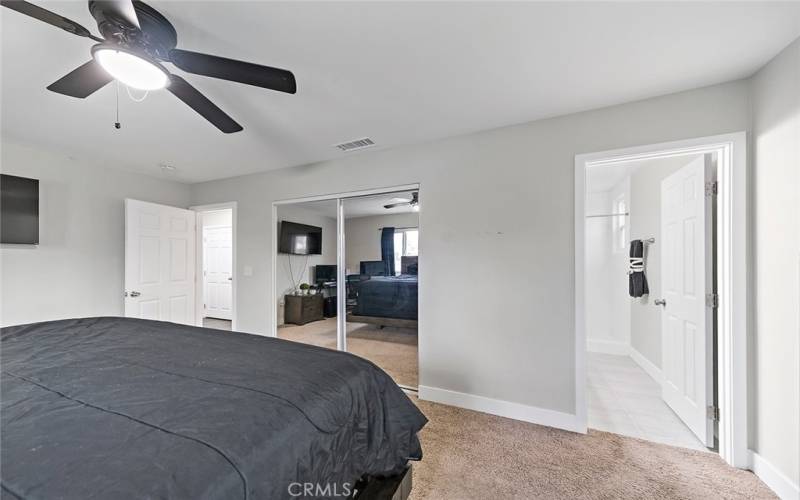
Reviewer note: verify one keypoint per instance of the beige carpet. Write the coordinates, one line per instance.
(392, 349)
(471, 455)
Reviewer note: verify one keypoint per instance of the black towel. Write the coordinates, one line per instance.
(637, 281)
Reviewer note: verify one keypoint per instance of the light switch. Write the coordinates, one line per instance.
(247, 270)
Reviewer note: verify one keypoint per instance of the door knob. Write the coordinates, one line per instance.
(660, 302)
(135, 293)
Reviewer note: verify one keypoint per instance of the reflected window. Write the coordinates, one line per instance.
(406, 244)
(300, 244)
(620, 224)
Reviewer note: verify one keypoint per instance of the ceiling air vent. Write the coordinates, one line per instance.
(357, 144)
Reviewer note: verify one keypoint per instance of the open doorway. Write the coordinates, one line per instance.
(216, 294)
(666, 339)
(646, 253)
(346, 276)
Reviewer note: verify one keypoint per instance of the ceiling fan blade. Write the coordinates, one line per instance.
(236, 71)
(120, 10)
(395, 205)
(200, 103)
(48, 17)
(82, 81)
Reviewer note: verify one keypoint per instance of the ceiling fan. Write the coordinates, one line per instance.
(136, 39)
(401, 202)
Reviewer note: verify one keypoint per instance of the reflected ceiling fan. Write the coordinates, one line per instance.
(402, 202)
(136, 39)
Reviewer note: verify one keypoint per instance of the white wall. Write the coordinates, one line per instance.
(645, 222)
(78, 267)
(363, 238)
(598, 274)
(775, 347)
(618, 266)
(217, 218)
(302, 266)
(517, 241)
(608, 309)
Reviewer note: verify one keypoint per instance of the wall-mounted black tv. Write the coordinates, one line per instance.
(299, 239)
(19, 210)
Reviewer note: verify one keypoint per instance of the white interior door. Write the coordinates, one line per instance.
(217, 271)
(159, 262)
(686, 321)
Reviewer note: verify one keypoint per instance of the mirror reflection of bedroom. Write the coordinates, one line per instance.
(381, 242)
(381, 251)
(306, 307)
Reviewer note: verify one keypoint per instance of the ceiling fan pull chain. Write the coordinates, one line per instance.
(117, 125)
(146, 92)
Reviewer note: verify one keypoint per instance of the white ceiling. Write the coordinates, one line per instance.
(396, 72)
(362, 206)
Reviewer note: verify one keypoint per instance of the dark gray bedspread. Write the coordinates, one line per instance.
(127, 408)
(388, 297)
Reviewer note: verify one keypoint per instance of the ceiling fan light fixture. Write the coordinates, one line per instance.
(129, 68)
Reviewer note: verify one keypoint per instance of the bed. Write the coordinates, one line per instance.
(388, 297)
(129, 408)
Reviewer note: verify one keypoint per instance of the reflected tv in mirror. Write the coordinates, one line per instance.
(299, 239)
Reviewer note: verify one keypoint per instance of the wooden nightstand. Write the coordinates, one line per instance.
(302, 309)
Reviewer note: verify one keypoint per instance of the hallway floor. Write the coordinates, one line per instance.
(623, 399)
(219, 324)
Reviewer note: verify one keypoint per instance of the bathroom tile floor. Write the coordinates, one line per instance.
(622, 398)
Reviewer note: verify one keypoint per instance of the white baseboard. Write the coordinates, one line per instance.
(646, 365)
(775, 479)
(508, 409)
(604, 346)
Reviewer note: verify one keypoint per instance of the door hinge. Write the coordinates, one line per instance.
(712, 413)
(712, 188)
(712, 300)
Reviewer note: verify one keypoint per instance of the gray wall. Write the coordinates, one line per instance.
(517, 242)
(363, 238)
(645, 220)
(775, 347)
(78, 267)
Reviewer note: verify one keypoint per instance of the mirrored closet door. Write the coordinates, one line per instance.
(381, 249)
(346, 277)
(305, 272)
